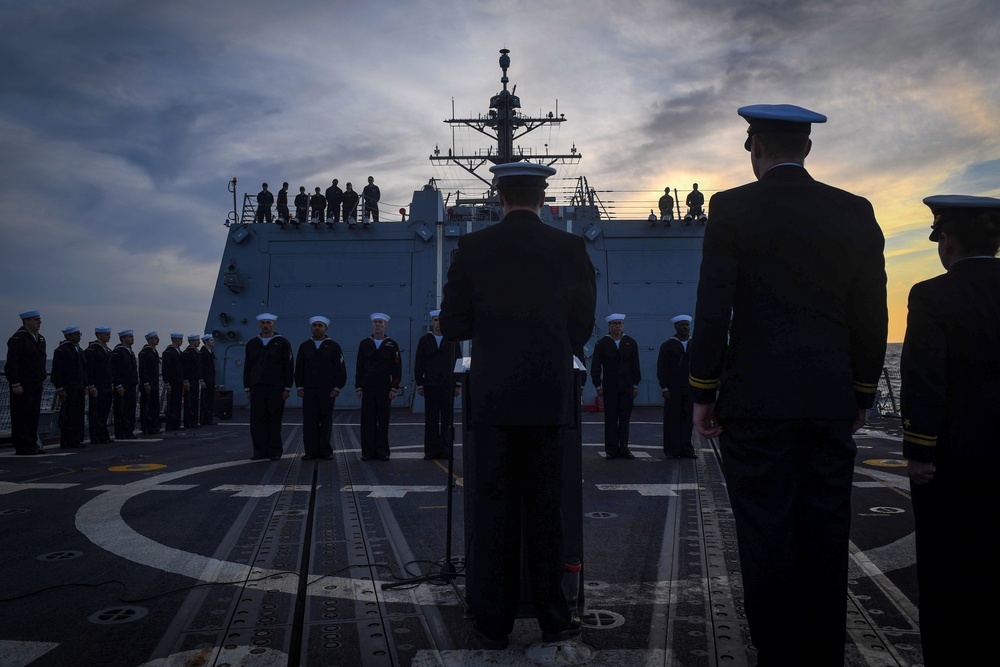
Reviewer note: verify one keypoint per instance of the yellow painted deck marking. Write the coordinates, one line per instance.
(137, 467)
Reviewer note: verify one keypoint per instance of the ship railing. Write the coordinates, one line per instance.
(887, 394)
(249, 214)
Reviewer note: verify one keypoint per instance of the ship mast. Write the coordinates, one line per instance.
(504, 124)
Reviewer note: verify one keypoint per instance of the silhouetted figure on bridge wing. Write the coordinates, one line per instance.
(264, 201)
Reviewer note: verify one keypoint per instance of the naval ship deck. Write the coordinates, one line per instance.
(178, 550)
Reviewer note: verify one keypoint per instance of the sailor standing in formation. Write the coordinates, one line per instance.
(191, 363)
(616, 376)
(149, 386)
(672, 370)
(372, 195)
(283, 204)
(70, 381)
(320, 375)
(376, 381)
(173, 381)
(267, 380)
(124, 378)
(521, 393)
(99, 385)
(787, 249)
(950, 390)
(207, 357)
(25, 369)
(433, 374)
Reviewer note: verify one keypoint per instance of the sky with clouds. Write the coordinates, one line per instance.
(121, 123)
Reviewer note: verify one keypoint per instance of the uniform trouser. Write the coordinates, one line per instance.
(124, 412)
(333, 212)
(317, 422)
(375, 421)
(301, 213)
(263, 212)
(149, 410)
(617, 413)
(71, 413)
(98, 409)
(318, 215)
(267, 407)
(678, 424)
(175, 400)
(371, 211)
(25, 409)
(439, 403)
(208, 405)
(350, 212)
(283, 212)
(948, 515)
(192, 405)
(789, 485)
(518, 486)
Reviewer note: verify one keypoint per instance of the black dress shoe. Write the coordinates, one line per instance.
(572, 630)
(384, 457)
(626, 455)
(257, 458)
(275, 458)
(365, 457)
(328, 457)
(491, 643)
(608, 457)
(308, 457)
(429, 457)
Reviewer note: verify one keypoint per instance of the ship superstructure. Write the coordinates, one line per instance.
(399, 267)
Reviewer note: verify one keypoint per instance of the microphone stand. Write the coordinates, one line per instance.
(447, 574)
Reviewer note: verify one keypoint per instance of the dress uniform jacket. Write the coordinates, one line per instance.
(792, 325)
(524, 322)
(149, 390)
(791, 312)
(25, 367)
(173, 376)
(378, 370)
(68, 375)
(97, 361)
(525, 294)
(206, 356)
(950, 388)
(125, 376)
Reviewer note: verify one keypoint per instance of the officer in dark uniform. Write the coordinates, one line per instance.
(207, 357)
(350, 206)
(434, 376)
(124, 378)
(173, 381)
(268, 373)
(264, 201)
(524, 326)
(70, 381)
(672, 370)
(792, 323)
(191, 363)
(950, 390)
(318, 204)
(614, 370)
(372, 195)
(283, 214)
(97, 361)
(25, 369)
(149, 386)
(376, 382)
(320, 375)
(301, 206)
(333, 196)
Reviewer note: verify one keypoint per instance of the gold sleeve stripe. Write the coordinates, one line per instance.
(698, 383)
(864, 387)
(919, 439)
